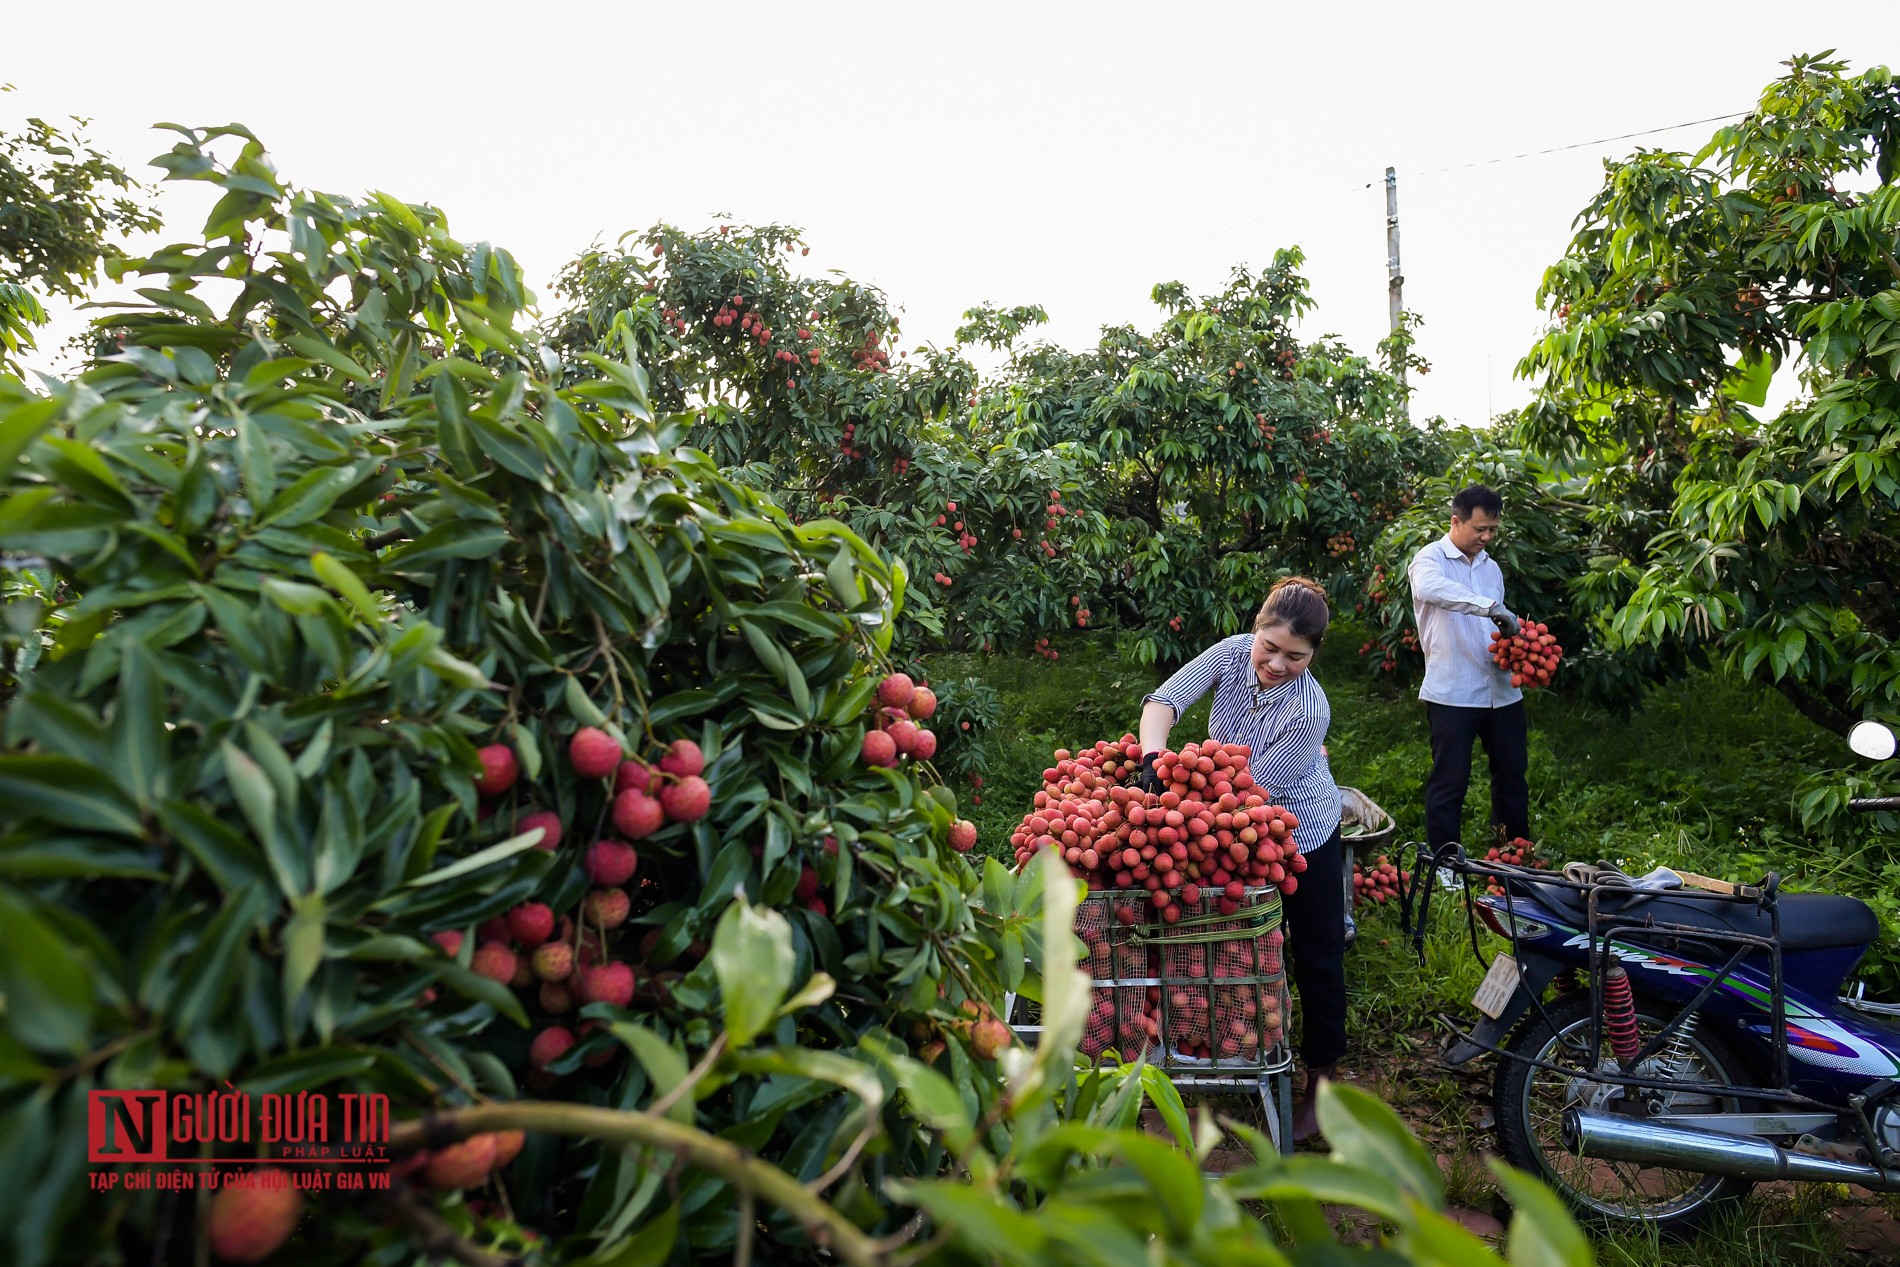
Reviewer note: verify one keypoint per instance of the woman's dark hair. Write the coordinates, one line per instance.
(1299, 603)
(1477, 497)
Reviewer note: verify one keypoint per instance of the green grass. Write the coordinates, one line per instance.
(1701, 776)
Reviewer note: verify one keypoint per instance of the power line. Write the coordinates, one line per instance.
(1559, 149)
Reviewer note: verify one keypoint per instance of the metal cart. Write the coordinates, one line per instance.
(1164, 958)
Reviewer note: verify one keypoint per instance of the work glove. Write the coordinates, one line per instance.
(1148, 781)
(1501, 617)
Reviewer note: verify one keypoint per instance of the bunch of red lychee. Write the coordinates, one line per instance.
(869, 356)
(901, 705)
(1209, 829)
(1382, 882)
(1530, 656)
(1043, 649)
(1516, 852)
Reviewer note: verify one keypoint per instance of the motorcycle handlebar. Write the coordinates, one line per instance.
(1875, 803)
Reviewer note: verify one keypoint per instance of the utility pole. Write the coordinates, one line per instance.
(1395, 283)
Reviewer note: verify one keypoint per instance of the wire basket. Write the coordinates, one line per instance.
(1206, 994)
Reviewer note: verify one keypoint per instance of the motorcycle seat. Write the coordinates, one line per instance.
(1809, 921)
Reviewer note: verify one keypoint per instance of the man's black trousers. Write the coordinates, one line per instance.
(1506, 740)
(1316, 944)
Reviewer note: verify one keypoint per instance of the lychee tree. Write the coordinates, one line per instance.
(420, 717)
(1157, 481)
(1689, 280)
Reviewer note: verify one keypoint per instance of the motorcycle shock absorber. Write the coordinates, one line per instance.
(1619, 1014)
(1567, 981)
(1676, 1056)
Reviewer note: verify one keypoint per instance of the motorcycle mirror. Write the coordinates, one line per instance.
(1871, 740)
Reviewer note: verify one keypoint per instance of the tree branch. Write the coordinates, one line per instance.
(727, 1160)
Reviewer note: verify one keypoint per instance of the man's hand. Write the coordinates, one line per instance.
(1501, 617)
(1148, 780)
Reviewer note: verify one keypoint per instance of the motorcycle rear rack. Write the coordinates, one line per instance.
(1602, 929)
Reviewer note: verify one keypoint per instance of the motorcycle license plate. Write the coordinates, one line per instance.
(1499, 984)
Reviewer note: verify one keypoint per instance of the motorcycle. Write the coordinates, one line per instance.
(1663, 1049)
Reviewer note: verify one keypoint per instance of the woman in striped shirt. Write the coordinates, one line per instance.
(1266, 697)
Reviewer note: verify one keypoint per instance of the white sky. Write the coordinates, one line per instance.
(1064, 154)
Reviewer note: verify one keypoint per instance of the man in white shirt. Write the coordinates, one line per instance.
(1457, 598)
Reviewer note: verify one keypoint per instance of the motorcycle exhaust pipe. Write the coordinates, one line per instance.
(1613, 1137)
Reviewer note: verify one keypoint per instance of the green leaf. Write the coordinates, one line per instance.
(933, 1097)
(47, 988)
(752, 957)
(303, 946)
(1367, 1133)
(138, 727)
(346, 582)
(651, 1246)
(1543, 1234)
(257, 801)
(834, 1067)
(457, 539)
(664, 1063)
(475, 986)
(1320, 1179)
(309, 498)
(481, 858)
(66, 793)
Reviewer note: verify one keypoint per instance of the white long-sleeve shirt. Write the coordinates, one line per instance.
(1452, 597)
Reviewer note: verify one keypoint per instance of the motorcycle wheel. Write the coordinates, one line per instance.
(1530, 1105)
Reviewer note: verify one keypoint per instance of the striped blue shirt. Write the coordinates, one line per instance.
(1284, 726)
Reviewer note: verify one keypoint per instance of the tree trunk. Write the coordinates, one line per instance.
(1816, 708)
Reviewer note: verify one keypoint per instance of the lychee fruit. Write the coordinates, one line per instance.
(550, 1045)
(494, 961)
(879, 749)
(249, 1224)
(607, 908)
(637, 815)
(635, 773)
(683, 758)
(686, 801)
(508, 1146)
(554, 961)
(611, 863)
(594, 753)
(807, 887)
(554, 997)
(923, 702)
(926, 746)
(499, 769)
(550, 825)
(450, 939)
(610, 982)
(530, 924)
(904, 735)
(963, 835)
(895, 691)
(987, 1038)
(463, 1165)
